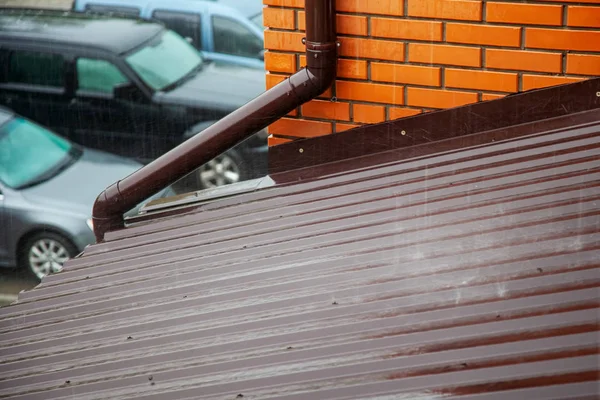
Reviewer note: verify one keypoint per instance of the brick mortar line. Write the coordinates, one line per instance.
(475, 46)
(385, 106)
(405, 8)
(491, 46)
(500, 24)
(481, 23)
(413, 85)
(468, 45)
(545, 3)
(426, 41)
(484, 11)
(407, 16)
(483, 59)
(443, 77)
(462, 67)
(443, 67)
(540, 74)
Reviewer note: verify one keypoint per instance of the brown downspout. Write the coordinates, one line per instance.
(304, 85)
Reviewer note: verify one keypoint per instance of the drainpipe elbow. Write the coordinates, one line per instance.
(321, 64)
(106, 212)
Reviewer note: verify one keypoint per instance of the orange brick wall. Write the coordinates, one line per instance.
(404, 57)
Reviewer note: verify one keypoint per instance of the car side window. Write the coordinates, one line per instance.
(33, 68)
(233, 38)
(98, 76)
(126, 11)
(185, 24)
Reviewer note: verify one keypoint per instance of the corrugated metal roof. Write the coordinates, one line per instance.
(469, 273)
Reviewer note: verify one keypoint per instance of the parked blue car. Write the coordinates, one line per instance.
(221, 33)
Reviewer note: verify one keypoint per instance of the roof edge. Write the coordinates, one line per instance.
(518, 108)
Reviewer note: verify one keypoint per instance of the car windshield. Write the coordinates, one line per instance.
(29, 153)
(164, 62)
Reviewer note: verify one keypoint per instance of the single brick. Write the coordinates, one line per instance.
(284, 41)
(300, 127)
(353, 69)
(356, 69)
(372, 92)
(402, 73)
(326, 110)
(368, 114)
(345, 24)
(583, 16)
(352, 25)
(519, 13)
(274, 140)
(583, 64)
(406, 29)
(285, 3)
(540, 81)
(402, 112)
(279, 18)
(371, 48)
(491, 96)
(523, 60)
(560, 39)
(384, 7)
(432, 98)
(483, 34)
(280, 62)
(485, 80)
(445, 9)
(444, 54)
(339, 127)
(274, 79)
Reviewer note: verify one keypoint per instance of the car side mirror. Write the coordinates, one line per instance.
(125, 91)
(189, 40)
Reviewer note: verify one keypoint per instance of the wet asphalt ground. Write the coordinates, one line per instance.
(11, 283)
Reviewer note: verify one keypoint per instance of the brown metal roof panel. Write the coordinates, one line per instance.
(411, 186)
(466, 273)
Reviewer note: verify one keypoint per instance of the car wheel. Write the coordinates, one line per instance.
(222, 170)
(45, 253)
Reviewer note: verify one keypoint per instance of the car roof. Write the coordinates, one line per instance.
(203, 6)
(249, 8)
(117, 35)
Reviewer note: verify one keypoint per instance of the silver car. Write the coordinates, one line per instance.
(47, 188)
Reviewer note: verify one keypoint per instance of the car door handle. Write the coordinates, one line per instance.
(78, 102)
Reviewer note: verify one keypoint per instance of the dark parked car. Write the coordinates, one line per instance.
(125, 86)
(47, 188)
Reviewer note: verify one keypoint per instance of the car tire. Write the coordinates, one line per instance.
(45, 253)
(224, 169)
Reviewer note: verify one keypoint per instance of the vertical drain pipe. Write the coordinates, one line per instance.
(304, 85)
